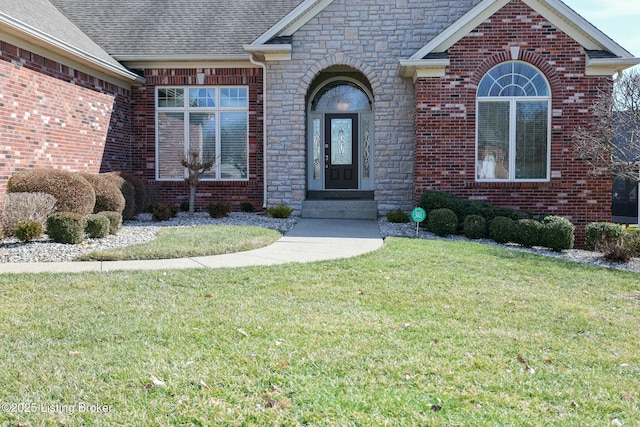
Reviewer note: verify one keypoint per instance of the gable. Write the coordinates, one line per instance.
(604, 56)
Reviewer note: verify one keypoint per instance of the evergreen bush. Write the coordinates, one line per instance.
(218, 209)
(139, 190)
(397, 216)
(97, 226)
(529, 233)
(502, 229)
(246, 207)
(475, 227)
(28, 231)
(558, 233)
(66, 227)
(442, 222)
(128, 192)
(280, 211)
(161, 212)
(601, 234)
(115, 221)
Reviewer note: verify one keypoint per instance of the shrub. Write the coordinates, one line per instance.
(475, 227)
(502, 229)
(115, 221)
(280, 211)
(72, 192)
(631, 241)
(173, 209)
(442, 222)
(184, 206)
(108, 195)
(218, 209)
(28, 231)
(528, 233)
(139, 189)
(66, 227)
(26, 207)
(246, 207)
(397, 216)
(97, 226)
(558, 233)
(161, 212)
(603, 234)
(432, 199)
(128, 192)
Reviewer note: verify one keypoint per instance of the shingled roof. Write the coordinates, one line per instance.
(40, 20)
(173, 28)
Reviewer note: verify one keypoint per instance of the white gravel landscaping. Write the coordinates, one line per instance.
(144, 229)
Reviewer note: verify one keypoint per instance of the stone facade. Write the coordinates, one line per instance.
(446, 114)
(370, 37)
(53, 116)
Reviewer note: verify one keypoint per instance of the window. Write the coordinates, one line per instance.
(513, 124)
(210, 120)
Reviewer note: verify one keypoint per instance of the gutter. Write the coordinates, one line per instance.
(264, 127)
(79, 54)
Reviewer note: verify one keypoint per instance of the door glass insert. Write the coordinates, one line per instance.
(341, 143)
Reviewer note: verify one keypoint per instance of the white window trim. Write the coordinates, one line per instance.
(186, 109)
(512, 131)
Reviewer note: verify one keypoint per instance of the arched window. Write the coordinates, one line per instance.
(513, 124)
(341, 96)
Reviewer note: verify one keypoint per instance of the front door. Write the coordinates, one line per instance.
(341, 151)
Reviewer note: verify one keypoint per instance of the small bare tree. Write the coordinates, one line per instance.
(610, 143)
(197, 165)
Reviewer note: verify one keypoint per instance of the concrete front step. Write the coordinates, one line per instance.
(340, 209)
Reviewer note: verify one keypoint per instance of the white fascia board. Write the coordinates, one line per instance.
(293, 21)
(39, 38)
(609, 66)
(271, 52)
(463, 26)
(423, 68)
(575, 26)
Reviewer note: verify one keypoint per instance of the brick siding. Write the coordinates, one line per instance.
(53, 116)
(446, 114)
(144, 147)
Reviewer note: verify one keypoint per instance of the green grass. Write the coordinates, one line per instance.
(417, 333)
(178, 242)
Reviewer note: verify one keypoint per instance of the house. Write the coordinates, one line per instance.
(306, 102)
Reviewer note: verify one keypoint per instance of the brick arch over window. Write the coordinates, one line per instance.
(339, 59)
(536, 60)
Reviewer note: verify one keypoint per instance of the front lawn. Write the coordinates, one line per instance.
(420, 332)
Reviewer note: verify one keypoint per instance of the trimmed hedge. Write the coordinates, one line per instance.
(20, 207)
(475, 227)
(128, 192)
(72, 192)
(66, 227)
(559, 233)
(280, 211)
(397, 216)
(502, 229)
(442, 222)
(28, 231)
(218, 209)
(97, 226)
(529, 233)
(139, 189)
(108, 195)
(246, 207)
(602, 233)
(115, 221)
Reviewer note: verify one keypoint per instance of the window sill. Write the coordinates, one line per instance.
(512, 184)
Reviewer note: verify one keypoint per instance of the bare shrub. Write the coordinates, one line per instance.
(20, 207)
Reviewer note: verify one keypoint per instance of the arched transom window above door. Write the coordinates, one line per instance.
(513, 124)
(341, 96)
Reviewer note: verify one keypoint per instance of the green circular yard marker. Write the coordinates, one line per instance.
(418, 215)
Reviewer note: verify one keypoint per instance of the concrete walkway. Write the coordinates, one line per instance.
(309, 240)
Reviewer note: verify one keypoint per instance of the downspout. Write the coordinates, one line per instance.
(264, 127)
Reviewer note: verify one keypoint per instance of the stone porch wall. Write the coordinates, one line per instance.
(370, 37)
